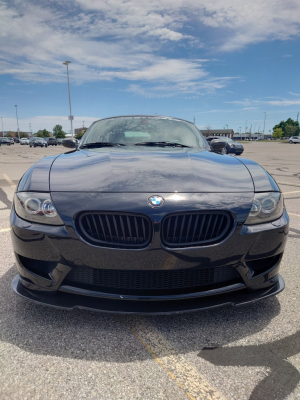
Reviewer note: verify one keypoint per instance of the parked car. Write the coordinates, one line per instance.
(231, 147)
(37, 142)
(12, 141)
(294, 139)
(24, 141)
(5, 140)
(52, 141)
(143, 217)
(16, 140)
(59, 141)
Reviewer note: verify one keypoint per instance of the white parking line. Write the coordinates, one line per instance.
(4, 230)
(296, 191)
(288, 184)
(297, 215)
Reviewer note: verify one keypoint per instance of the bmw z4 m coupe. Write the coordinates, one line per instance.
(143, 216)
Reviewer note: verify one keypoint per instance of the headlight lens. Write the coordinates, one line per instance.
(232, 145)
(36, 207)
(266, 207)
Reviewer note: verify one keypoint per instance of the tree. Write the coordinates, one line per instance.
(57, 129)
(291, 130)
(208, 128)
(60, 135)
(289, 127)
(43, 133)
(80, 134)
(22, 135)
(277, 133)
(58, 132)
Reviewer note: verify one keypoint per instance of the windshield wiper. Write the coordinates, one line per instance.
(100, 144)
(162, 144)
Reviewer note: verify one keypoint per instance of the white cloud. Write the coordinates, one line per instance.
(294, 94)
(133, 40)
(248, 103)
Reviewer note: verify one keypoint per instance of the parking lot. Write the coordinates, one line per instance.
(248, 352)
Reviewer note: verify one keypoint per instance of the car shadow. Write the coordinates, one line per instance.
(282, 379)
(94, 336)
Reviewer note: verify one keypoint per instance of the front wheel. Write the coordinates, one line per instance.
(291, 142)
(224, 151)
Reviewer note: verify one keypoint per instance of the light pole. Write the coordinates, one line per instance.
(264, 122)
(2, 127)
(227, 129)
(17, 121)
(70, 116)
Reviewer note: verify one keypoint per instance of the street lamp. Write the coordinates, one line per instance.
(264, 122)
(2, 127)
(17, 121)
(70, 116)
(227, 129)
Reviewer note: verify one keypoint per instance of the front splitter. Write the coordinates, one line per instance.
(69, 301)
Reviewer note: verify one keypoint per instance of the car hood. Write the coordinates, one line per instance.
(173, 170)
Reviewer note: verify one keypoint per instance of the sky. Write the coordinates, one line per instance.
(224, 63)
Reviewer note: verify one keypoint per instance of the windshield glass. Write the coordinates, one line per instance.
(134, 130)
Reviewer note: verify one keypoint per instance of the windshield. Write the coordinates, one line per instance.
(141, 130)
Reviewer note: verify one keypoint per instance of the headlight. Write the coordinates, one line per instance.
(232, 145)
(36, 207)
(266, 207)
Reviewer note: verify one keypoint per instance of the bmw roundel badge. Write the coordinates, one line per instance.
(156, 201)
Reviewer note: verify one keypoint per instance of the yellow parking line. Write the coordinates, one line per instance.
(297, 215)
(185, 375)
(4, 230)
(296, 191)
(7, 178)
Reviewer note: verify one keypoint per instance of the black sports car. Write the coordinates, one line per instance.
(231, 145)
(144, 217)
(37, 142)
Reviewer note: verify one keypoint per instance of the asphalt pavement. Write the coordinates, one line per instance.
(247, 352)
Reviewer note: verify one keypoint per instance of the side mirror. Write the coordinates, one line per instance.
(70, 143)
(217, 145)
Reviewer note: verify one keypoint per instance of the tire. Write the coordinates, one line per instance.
(224, 151)
(291, 142)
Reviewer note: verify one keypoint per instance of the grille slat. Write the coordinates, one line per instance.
(195, 229)
(188, 229)
(151, 280)
(117, 230)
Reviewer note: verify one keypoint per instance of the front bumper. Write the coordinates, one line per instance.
(69, 301)
(56, 250)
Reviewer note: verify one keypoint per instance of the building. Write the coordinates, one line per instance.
(79, 130)
(252, 136)
(217, 132)
(14, 133)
